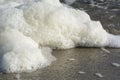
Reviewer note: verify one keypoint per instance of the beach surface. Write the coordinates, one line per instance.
(77, 64)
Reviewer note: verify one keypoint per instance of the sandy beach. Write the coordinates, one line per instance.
(76, 64)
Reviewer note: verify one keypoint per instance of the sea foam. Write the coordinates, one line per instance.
(30, 29)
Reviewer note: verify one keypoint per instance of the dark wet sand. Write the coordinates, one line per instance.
(70, 62)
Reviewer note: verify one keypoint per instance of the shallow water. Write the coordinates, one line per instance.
(107, 12)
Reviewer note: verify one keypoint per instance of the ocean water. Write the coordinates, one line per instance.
(30, 29)
(107, 12)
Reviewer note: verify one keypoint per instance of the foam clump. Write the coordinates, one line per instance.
(20, 53)
(29, 29)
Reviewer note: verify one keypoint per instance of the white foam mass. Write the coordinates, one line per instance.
(29, 29)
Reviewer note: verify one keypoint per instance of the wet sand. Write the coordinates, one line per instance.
(76, 64)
